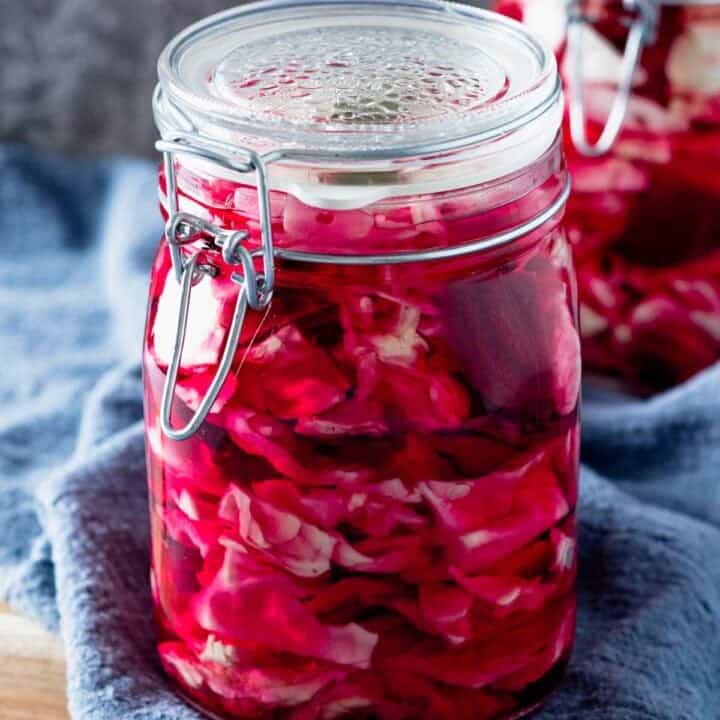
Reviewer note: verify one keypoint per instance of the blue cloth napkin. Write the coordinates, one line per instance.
(76, 241)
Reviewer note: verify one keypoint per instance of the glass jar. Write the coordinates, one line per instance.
(362, 365)
(645, 211)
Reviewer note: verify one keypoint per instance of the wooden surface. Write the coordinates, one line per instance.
(32, 671)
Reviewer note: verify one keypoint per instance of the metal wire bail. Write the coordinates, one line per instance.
(255, 289)
(642, 33)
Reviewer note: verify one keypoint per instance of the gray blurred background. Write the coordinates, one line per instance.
(77, 75)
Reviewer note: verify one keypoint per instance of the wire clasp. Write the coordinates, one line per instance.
(642, 33)
(255, 287)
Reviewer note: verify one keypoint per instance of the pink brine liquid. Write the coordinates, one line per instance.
(645, 219)
(377, 520)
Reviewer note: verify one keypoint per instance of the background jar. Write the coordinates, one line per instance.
(645, 212)
(375, 516)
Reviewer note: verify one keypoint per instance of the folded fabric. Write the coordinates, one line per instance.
(78, 239)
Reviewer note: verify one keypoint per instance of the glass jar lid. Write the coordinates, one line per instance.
(366, 82)
(357, 77)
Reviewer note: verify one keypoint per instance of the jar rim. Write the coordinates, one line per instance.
(491, 242)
